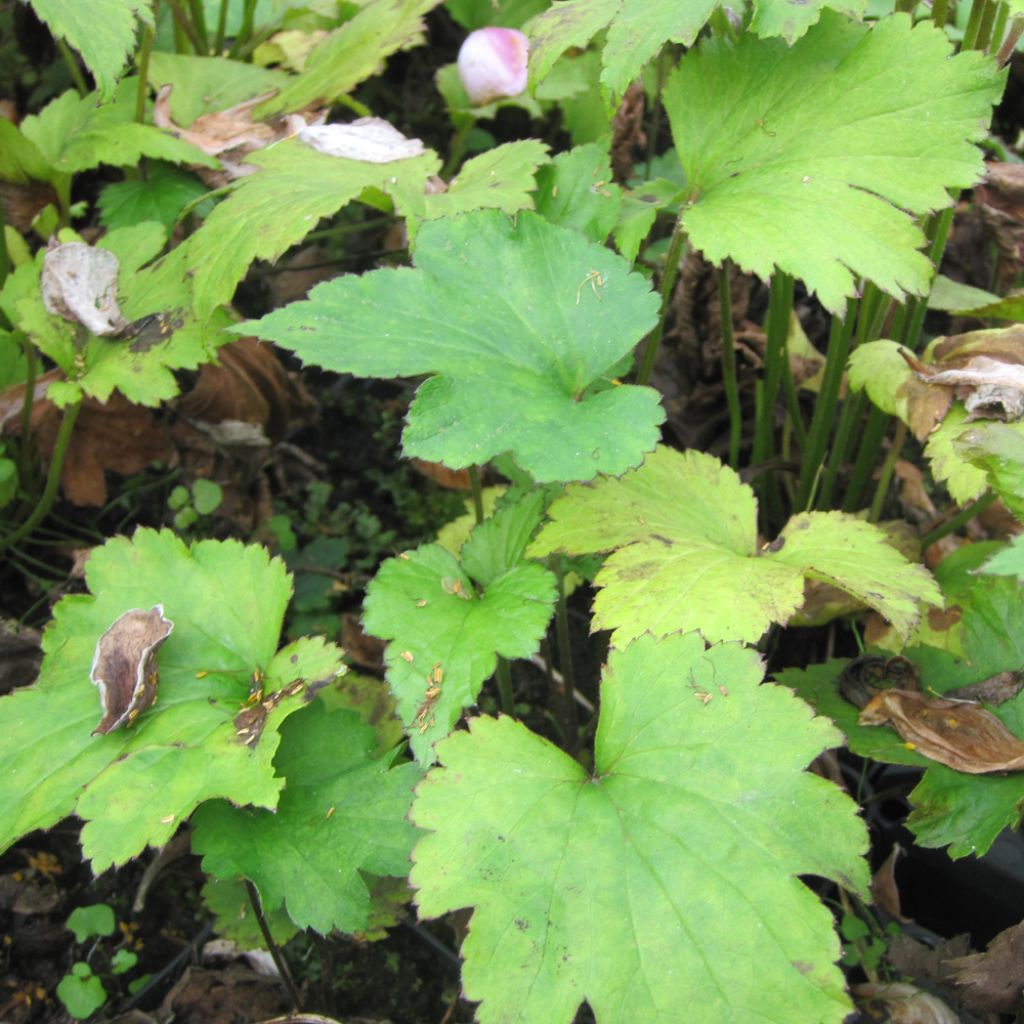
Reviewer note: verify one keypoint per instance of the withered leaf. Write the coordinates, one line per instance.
(993, 980)
(79, 283)
(124, 666)
(250, 721)
(960, 735)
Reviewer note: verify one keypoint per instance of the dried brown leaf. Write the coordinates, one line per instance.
(79, 283)
(993, 981)
(905, 1004)
(124, 666)
(961, 735)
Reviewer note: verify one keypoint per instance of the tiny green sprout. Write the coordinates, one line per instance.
(81, 992)
(91, 922)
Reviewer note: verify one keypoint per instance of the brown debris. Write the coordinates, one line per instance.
(1000, 198)
(629, 139)
(993, 981)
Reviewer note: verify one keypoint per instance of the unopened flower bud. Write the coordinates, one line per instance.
(492, 64)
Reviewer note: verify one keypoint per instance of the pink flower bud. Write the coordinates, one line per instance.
(492, 64)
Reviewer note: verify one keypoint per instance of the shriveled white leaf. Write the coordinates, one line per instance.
(370, 139)
(79, 283)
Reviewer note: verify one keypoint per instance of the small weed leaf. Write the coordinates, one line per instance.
(512, 319)
(637, 30)
(343, 812)
(683, 531)
(134, 787)
(445, 634)
(689, 834)
(813, 159)
(103, 32)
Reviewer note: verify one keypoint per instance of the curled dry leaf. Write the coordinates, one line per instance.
(230, 134)
(961, 735)
(983, 368)
(124, 666)
(993, 981)
(885, 892)
(905, 1004)
(79, 283)
(1000, 198)
(370, 139)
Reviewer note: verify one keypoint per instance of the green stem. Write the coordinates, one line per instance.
(668, 282)
(199, 21)
(145, 49)
(503, 674)
(245, 29)
(850, 415)
(26, 471)
(970, 40)
(867, 454)
(77, 75)
(478, 493)
(732, 394)
(222, 27)
(825, 408)
(60, 448)
(562, 632)
(272, 946)
(998, 27)
(654, 128)
(780, 308)
(182, 20)
(940, 13)
(988, 19)
(964, 516)
(885, 474)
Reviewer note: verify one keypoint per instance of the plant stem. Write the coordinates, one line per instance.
(885, 474)
(654, 127)
(732, 395)
(940, 12)
(26, 472)
(181, 19)
(562, 635)
(478, 493)
(60, 448)
(964, 516)
(988, 18)
(506, 694)
(970, 40)
(199, 21)
(668, 281)
(998, 27)
(1011, 41)
(825, 408)
(145, 49)
(76, 72)
(222, 26)
(273, 947)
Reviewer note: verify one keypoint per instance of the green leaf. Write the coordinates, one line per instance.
(446, 638)
(1009, 561)
(276, 208)
(813, 159)
(76, 133)
(20, 159)
(500, 179)
(234, 919)
(160, 197)
(102, 31)
(637, 30)
(670, 869)
(87, 922)
(499, 542)
(683, 529)
(134, 786)
(203, 85)
(878, 368)
(207, 496)
(576, 190)
(343, 811)
(81, 996)
(953, 297)
(353, 52)
(964, 480)
(998, 449)
(521, 322)
(473, 14)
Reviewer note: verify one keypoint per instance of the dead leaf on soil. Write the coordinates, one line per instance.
(961, 735)
(124, 666)
(885, 892)
(993, 981)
